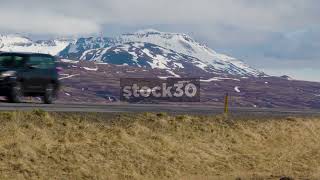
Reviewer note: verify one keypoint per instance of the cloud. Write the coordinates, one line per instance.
(85, 17)
(42, 20)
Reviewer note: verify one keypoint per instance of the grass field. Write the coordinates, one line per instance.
(37, 145)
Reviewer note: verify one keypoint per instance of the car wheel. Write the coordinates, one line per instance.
(16, 93)
(49, 94)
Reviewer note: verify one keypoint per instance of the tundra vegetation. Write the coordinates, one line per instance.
(38, 144)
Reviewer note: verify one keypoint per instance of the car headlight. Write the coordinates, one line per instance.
(7, 74)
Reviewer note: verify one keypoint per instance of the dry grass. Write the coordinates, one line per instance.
(37, 145)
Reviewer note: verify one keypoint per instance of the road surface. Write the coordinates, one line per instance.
(180, 109)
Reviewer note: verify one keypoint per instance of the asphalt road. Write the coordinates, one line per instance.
(180, 109)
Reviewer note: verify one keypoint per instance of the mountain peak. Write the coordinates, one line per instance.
(151, 31)
(148, 31)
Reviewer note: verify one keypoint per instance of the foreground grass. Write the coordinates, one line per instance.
(37, 145)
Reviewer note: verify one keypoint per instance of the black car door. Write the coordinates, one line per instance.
(48, 70)
(34, 74)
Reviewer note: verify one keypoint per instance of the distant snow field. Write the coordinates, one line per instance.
(18, 43)
(218, 79)
(91, 69)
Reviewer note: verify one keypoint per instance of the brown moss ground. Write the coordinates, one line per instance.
(37, 145)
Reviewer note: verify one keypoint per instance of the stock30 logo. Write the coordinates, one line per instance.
(136, 90)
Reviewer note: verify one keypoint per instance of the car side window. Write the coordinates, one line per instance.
(49, 62)
(18, 61)
(6, 61)
(11, 61)
(41, 62)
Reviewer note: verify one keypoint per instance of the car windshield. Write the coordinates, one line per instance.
(7, 61)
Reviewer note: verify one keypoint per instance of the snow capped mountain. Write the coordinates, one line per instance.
(143, 55)
(19, 43)
(99, 49)
(146, 48)
(184, 44)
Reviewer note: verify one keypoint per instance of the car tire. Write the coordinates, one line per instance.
(48, 96)
(16, 93)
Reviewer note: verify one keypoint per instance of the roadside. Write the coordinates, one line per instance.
(156, 146)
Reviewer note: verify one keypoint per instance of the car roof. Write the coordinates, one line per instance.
(24, 53)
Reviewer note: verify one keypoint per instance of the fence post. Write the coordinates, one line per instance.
(226, 104)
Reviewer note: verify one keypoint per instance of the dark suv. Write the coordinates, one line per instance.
(28, 74)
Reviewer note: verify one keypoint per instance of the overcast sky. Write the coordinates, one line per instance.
(277, 36)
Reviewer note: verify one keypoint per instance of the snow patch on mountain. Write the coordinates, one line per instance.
(218, 79)
(237, 89)
(91, 69)
(69, 61)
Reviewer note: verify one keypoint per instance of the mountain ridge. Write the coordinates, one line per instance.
(178, 44)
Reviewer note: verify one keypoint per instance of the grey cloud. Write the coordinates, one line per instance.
(39, 20)
(271, 15)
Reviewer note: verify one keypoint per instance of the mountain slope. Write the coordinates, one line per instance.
(23, 44)
(184, 44)
(152, 56)
(75, 50)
